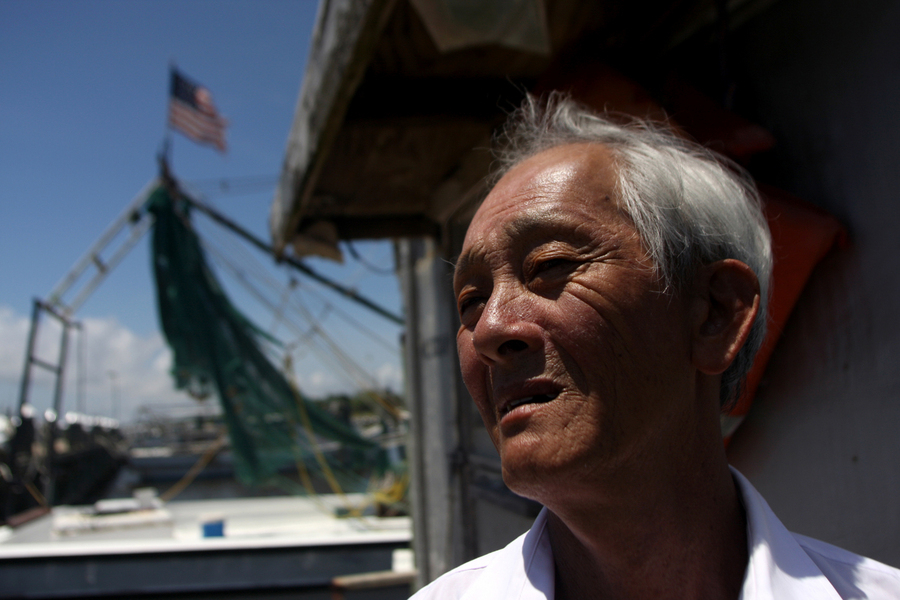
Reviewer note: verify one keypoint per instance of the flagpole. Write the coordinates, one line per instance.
(165, 151)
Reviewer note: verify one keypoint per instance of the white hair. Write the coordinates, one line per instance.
(690, 206)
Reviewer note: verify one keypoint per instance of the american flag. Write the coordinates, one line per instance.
(192, 112)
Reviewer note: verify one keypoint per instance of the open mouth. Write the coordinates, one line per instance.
(536, 399)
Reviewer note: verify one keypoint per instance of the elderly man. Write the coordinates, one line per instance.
(612, 293)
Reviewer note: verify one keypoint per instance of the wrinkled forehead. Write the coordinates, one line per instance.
(558, 188)
(570, 177)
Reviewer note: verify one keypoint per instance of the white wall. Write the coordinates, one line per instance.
(822, 442)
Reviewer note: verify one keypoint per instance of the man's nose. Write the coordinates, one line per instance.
(506, 328)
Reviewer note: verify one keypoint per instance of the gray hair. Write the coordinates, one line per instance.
(690, 206)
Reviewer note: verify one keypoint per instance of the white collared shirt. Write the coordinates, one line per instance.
(782, 566)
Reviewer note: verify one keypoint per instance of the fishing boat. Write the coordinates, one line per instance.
(265, 434)
(276, 547)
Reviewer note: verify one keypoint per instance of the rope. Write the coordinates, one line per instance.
(390, 494)
(253, 266)
(196, 469)
(284, 291)
(35, 493)
(350, 367)
(232, 186)
(365, 263)
(310, 434)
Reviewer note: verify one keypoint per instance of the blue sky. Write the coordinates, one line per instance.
(83, 97)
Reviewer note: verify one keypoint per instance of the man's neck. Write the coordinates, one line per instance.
(687, 541)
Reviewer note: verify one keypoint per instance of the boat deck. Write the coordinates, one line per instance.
(269, 547)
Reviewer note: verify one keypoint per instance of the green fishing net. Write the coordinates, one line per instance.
(218, 350)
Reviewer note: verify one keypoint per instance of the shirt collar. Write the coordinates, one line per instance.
(523, 570)
(778, 566)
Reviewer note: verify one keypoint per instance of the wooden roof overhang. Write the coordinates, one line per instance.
(390, 135)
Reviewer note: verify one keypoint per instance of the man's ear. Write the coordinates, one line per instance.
(725, 304)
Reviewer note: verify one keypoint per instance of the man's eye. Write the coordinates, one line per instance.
(551, 266)
(467, 305)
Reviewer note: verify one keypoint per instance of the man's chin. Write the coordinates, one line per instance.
(530, 478)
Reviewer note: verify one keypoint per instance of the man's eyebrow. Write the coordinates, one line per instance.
(542, 224)
(463, 263)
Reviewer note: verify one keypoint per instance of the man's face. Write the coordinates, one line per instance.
(576, 358)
